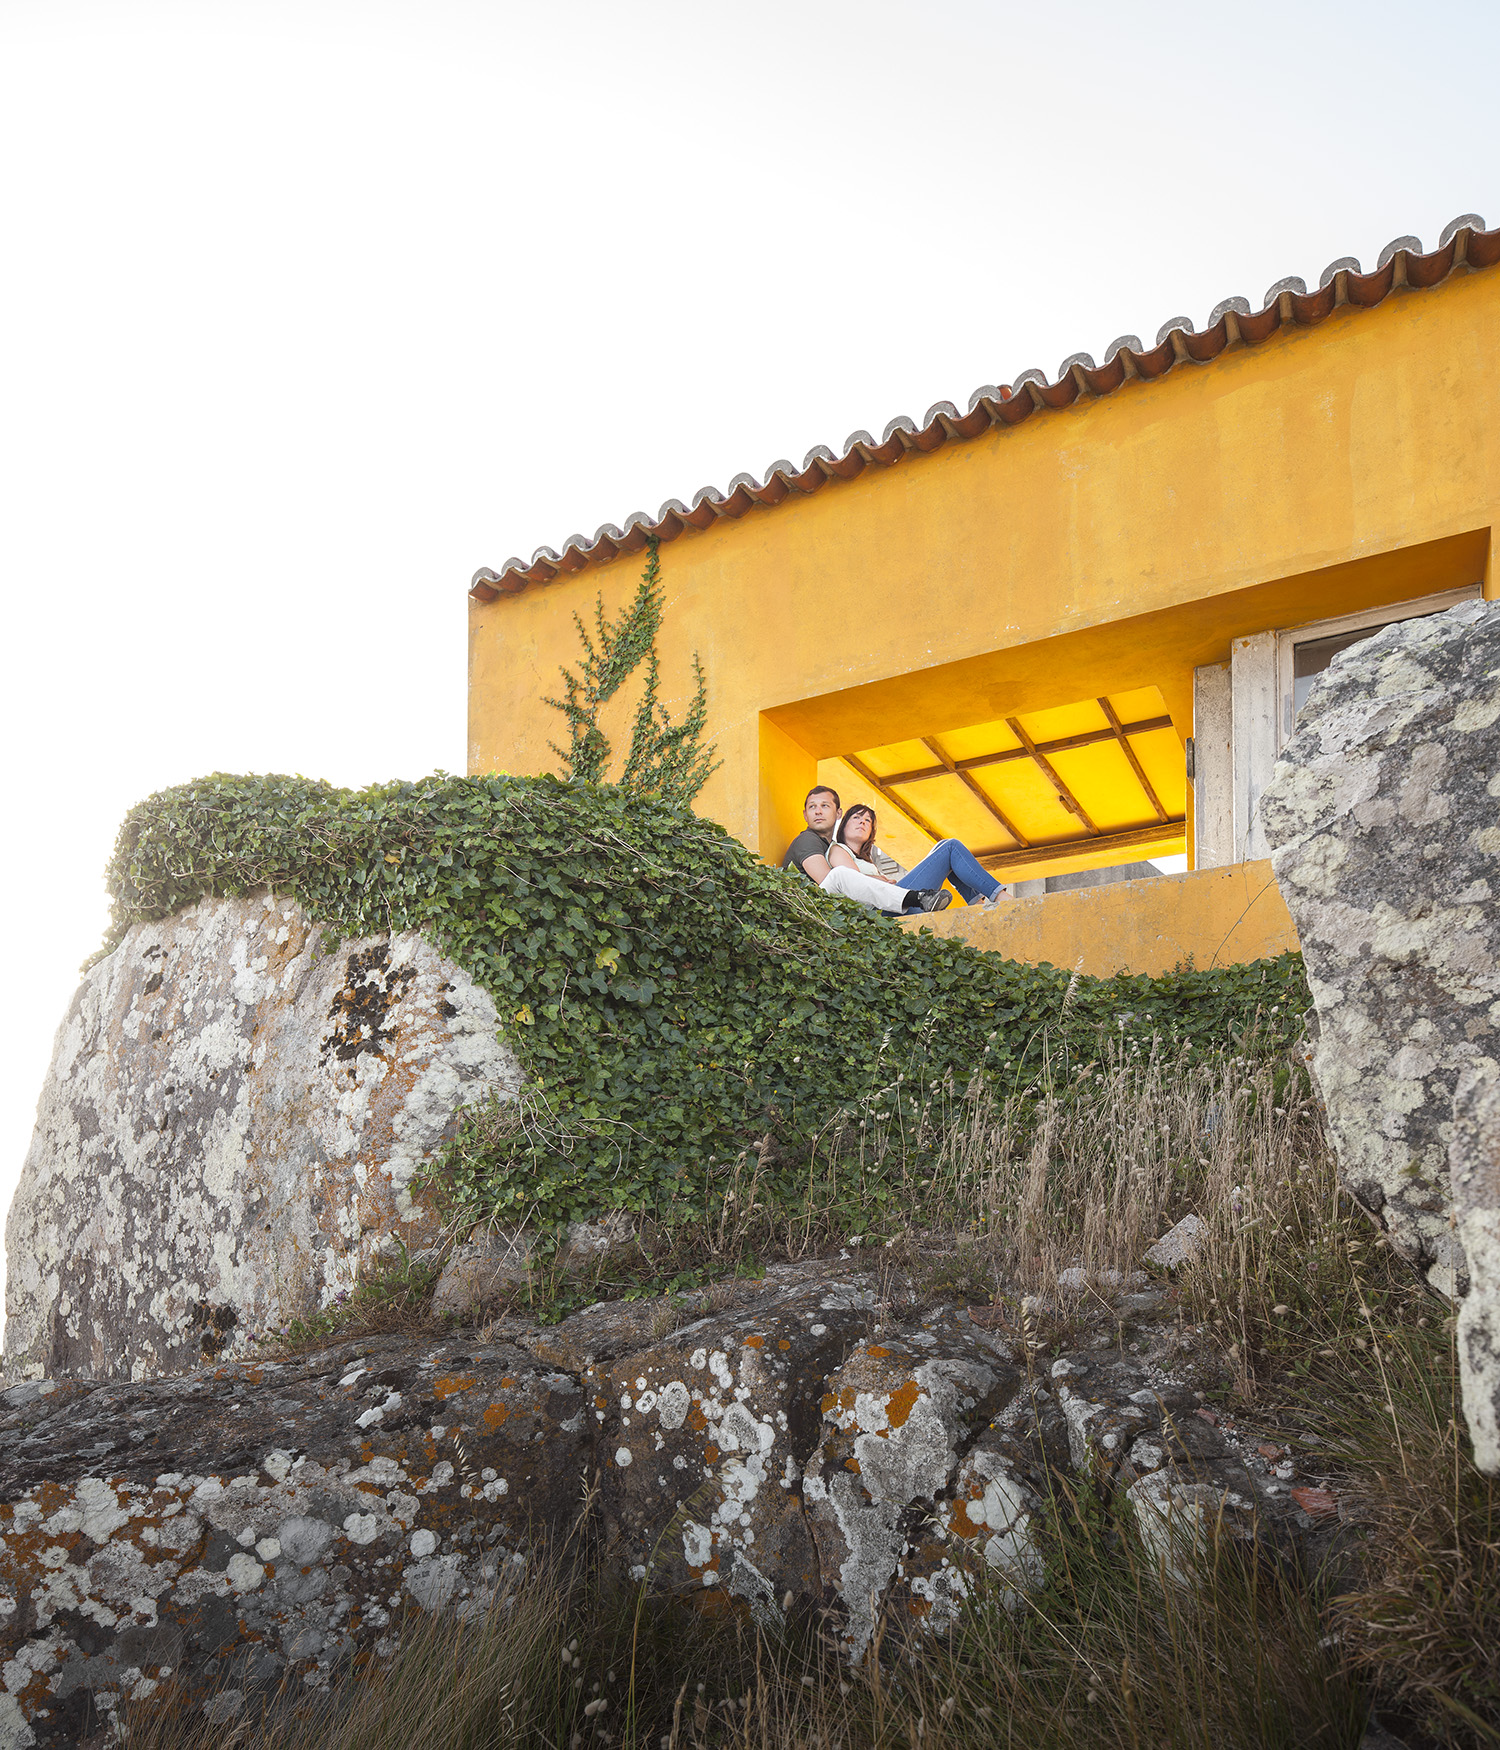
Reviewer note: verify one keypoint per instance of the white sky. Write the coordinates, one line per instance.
(308, 310)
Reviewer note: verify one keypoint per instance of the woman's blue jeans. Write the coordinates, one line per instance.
(948, 860)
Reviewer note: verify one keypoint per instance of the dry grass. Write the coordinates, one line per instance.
(458, 1685)
(1423, 1614)
(1106, 1656)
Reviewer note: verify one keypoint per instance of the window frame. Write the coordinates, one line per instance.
(1289, 637)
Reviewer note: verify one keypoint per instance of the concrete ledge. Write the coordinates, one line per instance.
(1211, 917)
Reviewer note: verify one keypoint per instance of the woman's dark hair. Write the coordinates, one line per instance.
(869, 844)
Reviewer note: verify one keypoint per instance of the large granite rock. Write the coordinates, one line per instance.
(1474, 1167)
(1384, 818)
(211, 1537)
(228, 1133)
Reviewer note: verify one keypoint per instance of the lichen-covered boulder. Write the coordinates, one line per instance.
(719, 1416)
(895, 1419)
(1474, 1168)
(212, 1539)
(1384, 818)
(228, 1134)
(221, 1533)
(1147, 1440)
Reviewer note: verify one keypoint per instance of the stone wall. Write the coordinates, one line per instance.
(228, 1132)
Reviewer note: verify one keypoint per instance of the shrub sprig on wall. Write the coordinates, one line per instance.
(666, 757)
(673, 1001)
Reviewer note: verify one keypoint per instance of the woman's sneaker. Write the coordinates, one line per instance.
(934, 898)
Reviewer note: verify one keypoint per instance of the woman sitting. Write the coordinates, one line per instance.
(855, 835)
(854, 847)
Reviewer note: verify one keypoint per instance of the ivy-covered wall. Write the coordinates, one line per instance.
(674, 1001)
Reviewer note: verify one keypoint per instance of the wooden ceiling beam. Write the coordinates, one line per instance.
(1054, 850)
(878, 785)
(971, 784)
(1122, 736)
(1044, 765)
(1063, 745)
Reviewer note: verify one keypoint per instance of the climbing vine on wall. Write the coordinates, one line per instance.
(673, 1000)
(665, 757)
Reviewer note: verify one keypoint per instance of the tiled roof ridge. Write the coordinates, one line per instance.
(1465, 243)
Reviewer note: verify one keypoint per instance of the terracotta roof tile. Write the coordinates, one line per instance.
(1464, 245)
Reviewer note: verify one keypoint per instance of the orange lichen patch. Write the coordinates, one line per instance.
(35, 1696)
(827, 1402)
(710, 1453)
(784, 1343)
(919, 1606)
(876, 1350)
(495, 1415)
(852, 1464)
(901, 1402)
(366, 1451)
(752, 1343)
(696, 1420)
(451, 1384)
(53, 1495)
(600, 1401)
(959, 1522)
(507, 1382)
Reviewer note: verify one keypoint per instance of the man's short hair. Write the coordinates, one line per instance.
(822, 790)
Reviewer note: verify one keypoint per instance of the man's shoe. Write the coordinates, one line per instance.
(934, 898)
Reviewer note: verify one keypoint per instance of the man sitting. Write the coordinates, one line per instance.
(830, 865)
(809, 853)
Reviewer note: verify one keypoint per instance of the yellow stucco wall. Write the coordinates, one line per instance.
(1211, 917)
(1116, 544)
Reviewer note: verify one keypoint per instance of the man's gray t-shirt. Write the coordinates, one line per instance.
(806, 844)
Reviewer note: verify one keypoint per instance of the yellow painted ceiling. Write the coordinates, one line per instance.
(1099, 776)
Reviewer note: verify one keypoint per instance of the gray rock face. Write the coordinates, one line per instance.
(214, 1536)
(1384, 818)
(1474, 1167)
(228, 1133)
(216, 1532)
